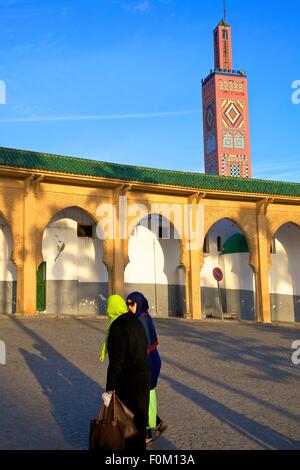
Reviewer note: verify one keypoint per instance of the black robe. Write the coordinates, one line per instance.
(128, 372)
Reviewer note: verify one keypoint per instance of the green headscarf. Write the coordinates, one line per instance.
(116, 306)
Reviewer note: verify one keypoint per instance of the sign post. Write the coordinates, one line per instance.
(218, 275)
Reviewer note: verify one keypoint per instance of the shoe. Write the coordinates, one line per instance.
(162, 427)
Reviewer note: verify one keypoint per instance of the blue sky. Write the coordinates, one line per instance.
(120, 80)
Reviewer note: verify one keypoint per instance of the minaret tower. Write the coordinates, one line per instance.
(225, 112)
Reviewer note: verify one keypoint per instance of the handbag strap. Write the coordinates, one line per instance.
(114, 406)
(103, 409)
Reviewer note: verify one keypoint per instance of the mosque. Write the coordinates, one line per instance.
(53, 260)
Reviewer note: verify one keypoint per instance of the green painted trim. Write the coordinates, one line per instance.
(41, 287)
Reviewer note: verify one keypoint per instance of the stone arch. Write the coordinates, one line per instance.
(145, 210)
(161, 280)
(284, 273)
(248, 230)
(238, 284)
(275, 224)
(56, 211)
(77, 278)
(53, 213)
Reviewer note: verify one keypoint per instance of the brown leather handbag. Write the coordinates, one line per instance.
(112, 426)
(126, 419)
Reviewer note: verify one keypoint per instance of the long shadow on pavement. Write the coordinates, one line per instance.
(262, 435)
(245, 394)
(74, 397)
(270, 362)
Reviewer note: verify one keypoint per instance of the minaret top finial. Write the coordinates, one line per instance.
(225, 12)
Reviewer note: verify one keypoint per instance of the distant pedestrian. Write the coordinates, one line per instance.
(138, 304)
(128, 371)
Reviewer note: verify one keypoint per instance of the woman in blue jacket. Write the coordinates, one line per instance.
(138, 305)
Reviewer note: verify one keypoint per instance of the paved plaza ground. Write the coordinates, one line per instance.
(223, 385)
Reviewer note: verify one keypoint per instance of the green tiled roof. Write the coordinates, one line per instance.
(223, 23)
(79, 166)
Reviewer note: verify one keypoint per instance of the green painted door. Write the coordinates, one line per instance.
(41, 287)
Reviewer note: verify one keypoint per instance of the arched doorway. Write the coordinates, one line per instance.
(226, 247)
(76, 278)
(154, 267)
(8, 274)
(284, 274)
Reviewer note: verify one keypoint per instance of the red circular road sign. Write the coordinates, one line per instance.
(218, 274)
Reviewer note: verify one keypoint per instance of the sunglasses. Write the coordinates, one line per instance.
(131, 304)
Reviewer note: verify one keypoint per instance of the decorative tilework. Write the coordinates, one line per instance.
(225, 110)
(211, 166)
(227, 140)
(232, 113)
(235, 165)
(224, 85)
(211, 143)
(234, 139)
(210, 117)
(239, 141)
(235, 170)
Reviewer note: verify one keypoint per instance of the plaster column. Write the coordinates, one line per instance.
(193, 252)
(120, 244)
(26, 261)
(263, 306)
(194, 284)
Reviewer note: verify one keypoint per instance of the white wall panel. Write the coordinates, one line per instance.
(90, 266)
(210, 262)
(152, 261)
(237, 272)
(60, 252)
(80, 258)
(146, 259)
(284, 272)
(235, 266)
(7, 267)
